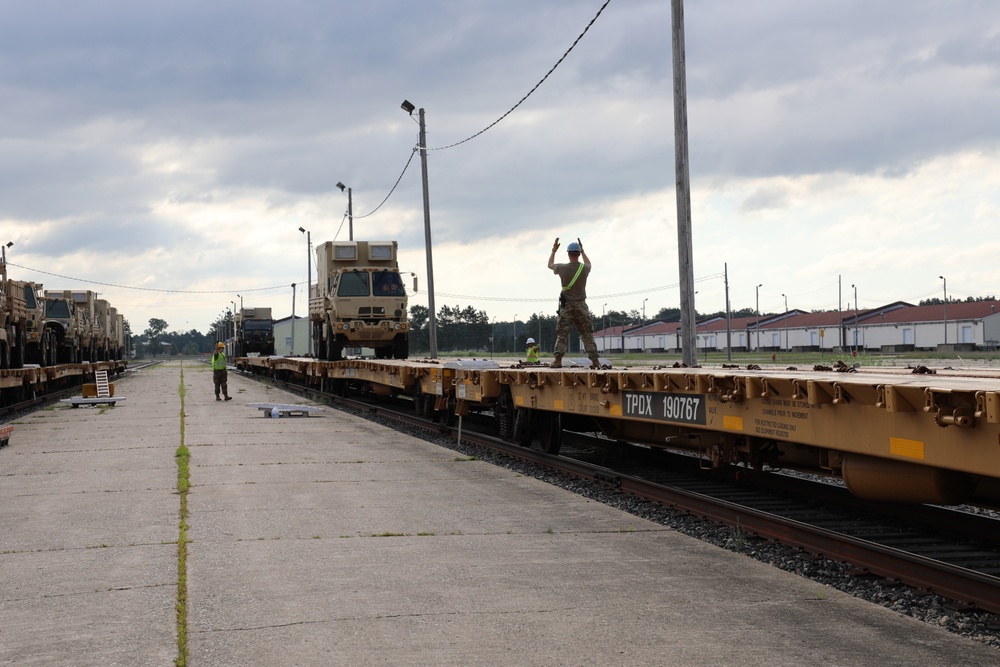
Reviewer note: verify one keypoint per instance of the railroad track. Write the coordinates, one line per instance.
(953, 554)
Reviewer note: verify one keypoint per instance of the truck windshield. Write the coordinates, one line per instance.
(57, 309)
(353, 283)
(387, 283)
(257, 325)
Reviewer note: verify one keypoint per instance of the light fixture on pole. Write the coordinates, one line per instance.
(4, 247)
(350, 211)
(309, 274)
(945, 309)
(422, 144)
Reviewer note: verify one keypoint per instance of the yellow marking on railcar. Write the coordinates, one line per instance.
(518, 400)
(732, 423)
(616, 410)
(559, 404)
(912, 449)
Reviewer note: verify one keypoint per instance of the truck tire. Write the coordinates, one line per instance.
(400, 347)
(335, 352)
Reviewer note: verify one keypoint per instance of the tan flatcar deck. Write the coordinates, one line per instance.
(877, 428)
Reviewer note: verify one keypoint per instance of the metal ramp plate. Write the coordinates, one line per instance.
(285, 410)
(77, 401)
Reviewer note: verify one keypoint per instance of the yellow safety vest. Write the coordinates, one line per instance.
(219, 361)
(532, 354)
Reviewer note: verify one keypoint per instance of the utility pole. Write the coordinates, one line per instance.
(291, 349)
(729, 316)
(685, 251)
(432, 322)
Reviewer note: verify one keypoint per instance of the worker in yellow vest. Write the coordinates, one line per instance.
(532, 353)
(219, 373)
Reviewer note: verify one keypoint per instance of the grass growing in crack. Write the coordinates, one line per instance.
(183, 457)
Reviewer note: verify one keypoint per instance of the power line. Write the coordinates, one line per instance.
(151, 289)
(537, 85)
(509, 111)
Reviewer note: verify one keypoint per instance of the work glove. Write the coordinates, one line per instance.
(555, 244)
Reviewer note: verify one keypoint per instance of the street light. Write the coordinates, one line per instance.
(422, 142)
(350, 211)
(309, 277)
(757, 327)
(945, 308)
(4, 249)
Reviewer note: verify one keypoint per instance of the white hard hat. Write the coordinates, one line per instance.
(530, 341)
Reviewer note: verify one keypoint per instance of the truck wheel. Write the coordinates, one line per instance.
(4, 355)
(400, 347)
(17, 352)
(336, 350)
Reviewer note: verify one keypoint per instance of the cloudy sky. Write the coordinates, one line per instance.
(166, 154)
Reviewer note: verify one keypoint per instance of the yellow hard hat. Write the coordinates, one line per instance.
(220, 345)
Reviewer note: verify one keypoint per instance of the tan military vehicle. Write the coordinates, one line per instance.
(359, 300)
(23, 337)
(66, 326)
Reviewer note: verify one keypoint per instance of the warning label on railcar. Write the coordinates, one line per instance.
(683, 408)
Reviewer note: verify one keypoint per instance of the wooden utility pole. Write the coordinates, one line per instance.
(685, 250)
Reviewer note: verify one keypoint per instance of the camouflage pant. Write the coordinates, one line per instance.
(221, 379)
(575, 313)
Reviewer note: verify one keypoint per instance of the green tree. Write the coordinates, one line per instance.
(152, 334)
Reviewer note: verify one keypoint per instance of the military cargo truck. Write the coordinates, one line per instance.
(23, 337)
(101, 347)
(358, 300)
(64, 324)
(254, 332)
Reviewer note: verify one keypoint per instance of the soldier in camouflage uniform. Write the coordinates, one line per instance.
(573, 309)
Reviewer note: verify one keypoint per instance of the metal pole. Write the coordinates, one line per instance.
(350, 215)
(309, 270)
(786, 321)
(945, 309)
(855, 316)
(291, 349)
(685, 251)
(757, 310)
(432, 320)
(729, 317)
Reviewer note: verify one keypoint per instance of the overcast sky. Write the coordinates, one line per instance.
(167, 153)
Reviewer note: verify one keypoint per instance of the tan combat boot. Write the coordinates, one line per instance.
(557, 362)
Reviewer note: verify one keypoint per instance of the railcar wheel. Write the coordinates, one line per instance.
(504, 412)
(550, 432)
(524, 423)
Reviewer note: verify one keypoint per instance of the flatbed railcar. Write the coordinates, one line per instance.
(890, 434)
(21, 384)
